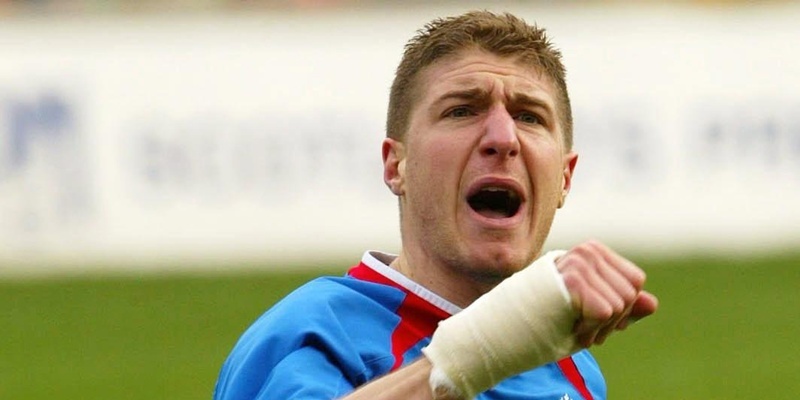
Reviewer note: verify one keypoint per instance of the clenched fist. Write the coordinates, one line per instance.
(606, 289)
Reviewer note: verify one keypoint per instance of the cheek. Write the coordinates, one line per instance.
(545, 167)
(426, 175)
(433, 175)
(435, 161)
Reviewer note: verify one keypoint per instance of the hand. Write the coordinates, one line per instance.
(606, 289)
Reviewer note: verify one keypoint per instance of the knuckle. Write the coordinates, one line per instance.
(618, 306)
(584, 261)
(575, 284)
(597, 248)
(629, 296)
(580, 252)
(593, 243)
(603, 312)
(574, 262)
(584, 249)
(638, 278)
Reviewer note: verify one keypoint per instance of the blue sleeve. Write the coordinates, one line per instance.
(266, 366)
(311, 345)
(305, 374)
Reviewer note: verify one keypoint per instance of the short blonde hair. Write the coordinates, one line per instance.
(502, 34)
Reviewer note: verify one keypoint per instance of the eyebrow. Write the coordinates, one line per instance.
(478, 94)
(526, 100)
(473, 94)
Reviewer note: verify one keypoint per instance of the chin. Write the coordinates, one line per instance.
(494, 267)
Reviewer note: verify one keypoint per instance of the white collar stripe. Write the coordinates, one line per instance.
(403, 281)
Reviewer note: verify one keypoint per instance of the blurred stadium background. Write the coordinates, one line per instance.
(169, 169)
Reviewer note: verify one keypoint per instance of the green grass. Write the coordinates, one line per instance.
(725, 330)
(119, 338)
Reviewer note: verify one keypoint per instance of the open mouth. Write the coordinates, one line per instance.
(495, 202)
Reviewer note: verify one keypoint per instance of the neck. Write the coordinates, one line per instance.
(446, 281)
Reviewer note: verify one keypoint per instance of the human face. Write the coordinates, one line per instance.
(482, 168)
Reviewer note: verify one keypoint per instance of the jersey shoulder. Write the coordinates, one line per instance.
(344, 319)
(315, 305)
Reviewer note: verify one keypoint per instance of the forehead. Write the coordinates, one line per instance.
(476, 68)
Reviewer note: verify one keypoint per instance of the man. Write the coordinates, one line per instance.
(479, 153)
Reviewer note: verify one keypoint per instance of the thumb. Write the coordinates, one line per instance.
(644, 305)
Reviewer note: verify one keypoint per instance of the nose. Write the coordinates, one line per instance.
(500, 134)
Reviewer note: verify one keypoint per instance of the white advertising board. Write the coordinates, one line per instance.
(226, 138)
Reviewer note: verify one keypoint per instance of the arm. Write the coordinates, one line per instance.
(526, 321)
(407, 383)
(607, 289)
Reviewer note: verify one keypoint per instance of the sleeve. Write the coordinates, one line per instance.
(305, 374)
(309, 346)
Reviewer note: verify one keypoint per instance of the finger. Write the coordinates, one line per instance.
(621, 286)
(596, 253)
(587, 326)
(626, 293)
(598, 317)
(612, 302)
(613, 325)
(620, 322)
(646, 304)
(613, 289)
(632, 273)
(624, 323)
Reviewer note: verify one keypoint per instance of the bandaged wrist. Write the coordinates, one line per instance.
(524, 322)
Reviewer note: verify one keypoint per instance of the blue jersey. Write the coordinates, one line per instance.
(335, 334)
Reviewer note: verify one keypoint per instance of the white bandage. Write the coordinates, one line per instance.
(524, 322)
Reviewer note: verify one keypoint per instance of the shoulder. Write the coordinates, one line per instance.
(341, 320)
(335, 314)
(340, 298)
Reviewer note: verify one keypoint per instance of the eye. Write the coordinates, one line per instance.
(528, 118)
(459, 112)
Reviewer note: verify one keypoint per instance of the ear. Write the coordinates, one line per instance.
(569, 170)
(394, 165)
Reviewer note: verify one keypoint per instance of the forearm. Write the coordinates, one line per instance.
(407, 383)
(524, 322)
